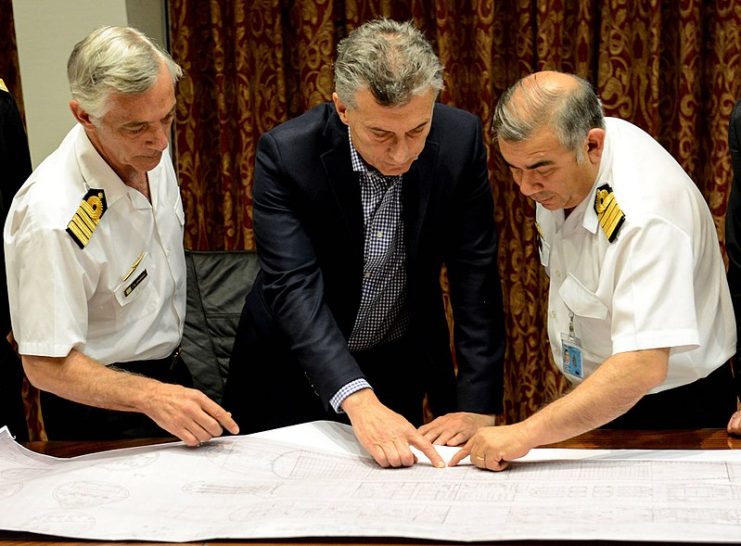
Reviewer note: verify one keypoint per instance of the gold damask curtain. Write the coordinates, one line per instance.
(9, 70)
(673, 68)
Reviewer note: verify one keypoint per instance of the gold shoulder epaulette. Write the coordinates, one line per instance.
(3, 87)
(86, 218)
(608, 211)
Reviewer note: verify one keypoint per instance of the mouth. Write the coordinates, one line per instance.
(542, 199)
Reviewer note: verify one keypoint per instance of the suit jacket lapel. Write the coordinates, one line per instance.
(417, 186)
(342, 180)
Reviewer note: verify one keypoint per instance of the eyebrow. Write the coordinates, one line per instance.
(135, 123)
(536, 165)
(420, 126)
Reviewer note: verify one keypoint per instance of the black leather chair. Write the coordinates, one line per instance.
(733, 232)
(218, 282)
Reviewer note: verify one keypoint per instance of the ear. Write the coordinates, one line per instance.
(595, 145)
(341, 107)
(82, 117)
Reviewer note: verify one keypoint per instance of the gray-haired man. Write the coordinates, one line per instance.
(357, 205)
(96, 272)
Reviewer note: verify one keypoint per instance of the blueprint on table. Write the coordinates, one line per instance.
(313, 480)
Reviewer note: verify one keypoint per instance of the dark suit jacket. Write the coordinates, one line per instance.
(308, 223)
(15, 162)
(733, 229)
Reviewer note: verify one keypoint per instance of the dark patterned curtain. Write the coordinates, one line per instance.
(672, 67)
(9, 70)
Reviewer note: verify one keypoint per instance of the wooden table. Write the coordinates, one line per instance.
(598, 439)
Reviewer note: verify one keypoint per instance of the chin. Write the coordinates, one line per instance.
(397, 171)
(149, 164)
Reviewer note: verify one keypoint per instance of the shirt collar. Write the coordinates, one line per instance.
(95, 171)
(591, 221)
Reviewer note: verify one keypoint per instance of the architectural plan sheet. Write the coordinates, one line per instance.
(314, 480)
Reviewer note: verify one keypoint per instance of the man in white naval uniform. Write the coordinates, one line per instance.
(640, 319)
(95, 262)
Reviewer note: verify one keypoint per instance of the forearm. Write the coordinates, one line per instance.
(609, 392)
(81, 379)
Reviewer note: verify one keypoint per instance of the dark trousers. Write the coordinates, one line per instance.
(270, 390)
(67, 420)
(705, 403)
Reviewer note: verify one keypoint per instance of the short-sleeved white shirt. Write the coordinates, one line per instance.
(660, 284)
(121, 297)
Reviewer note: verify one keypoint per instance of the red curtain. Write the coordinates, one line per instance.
(672, 67)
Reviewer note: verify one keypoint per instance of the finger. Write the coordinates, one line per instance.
(497, 466)
(379, 455)
(424, 429)
(459, 456)
(228, 422)
(456, 440)
(200, 432)
(432, 435)
(426, 447)
(479, 460)
(203, 423)
(219, 416)
(734, 424)
(187, 437)
(406, 456)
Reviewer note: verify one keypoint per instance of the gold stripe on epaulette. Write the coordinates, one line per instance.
(87, 216)
(3, 87)
(611, 217)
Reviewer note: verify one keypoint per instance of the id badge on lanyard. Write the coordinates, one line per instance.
(572, 351)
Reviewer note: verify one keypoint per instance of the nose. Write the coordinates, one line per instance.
(159, 136)
(528, 184)
(399, 151)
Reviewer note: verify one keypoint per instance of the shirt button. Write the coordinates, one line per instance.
(379, 234)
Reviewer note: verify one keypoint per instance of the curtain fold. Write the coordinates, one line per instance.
(10, 71)
(673, 68)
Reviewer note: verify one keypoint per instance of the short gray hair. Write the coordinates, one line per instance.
(115, 59)
(569, 113)
(392, 60)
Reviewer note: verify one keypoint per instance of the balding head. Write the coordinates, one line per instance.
(564, 103)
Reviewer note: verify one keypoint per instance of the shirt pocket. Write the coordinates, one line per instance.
(134, 281)
(580, 300)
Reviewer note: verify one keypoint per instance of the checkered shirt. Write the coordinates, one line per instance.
(383, 314)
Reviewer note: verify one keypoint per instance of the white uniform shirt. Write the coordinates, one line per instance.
(93, 299)
(661, 283)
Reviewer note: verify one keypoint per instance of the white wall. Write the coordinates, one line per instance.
(46, 31)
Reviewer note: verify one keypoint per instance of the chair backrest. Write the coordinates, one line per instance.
(218, 282)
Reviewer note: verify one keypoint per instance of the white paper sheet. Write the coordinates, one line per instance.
(314, 480)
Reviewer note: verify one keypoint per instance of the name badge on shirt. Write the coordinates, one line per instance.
(129, 289)
(572, 352)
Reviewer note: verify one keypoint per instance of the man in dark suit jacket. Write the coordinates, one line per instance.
(15, 159)
(733, 246)
(357, 206)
